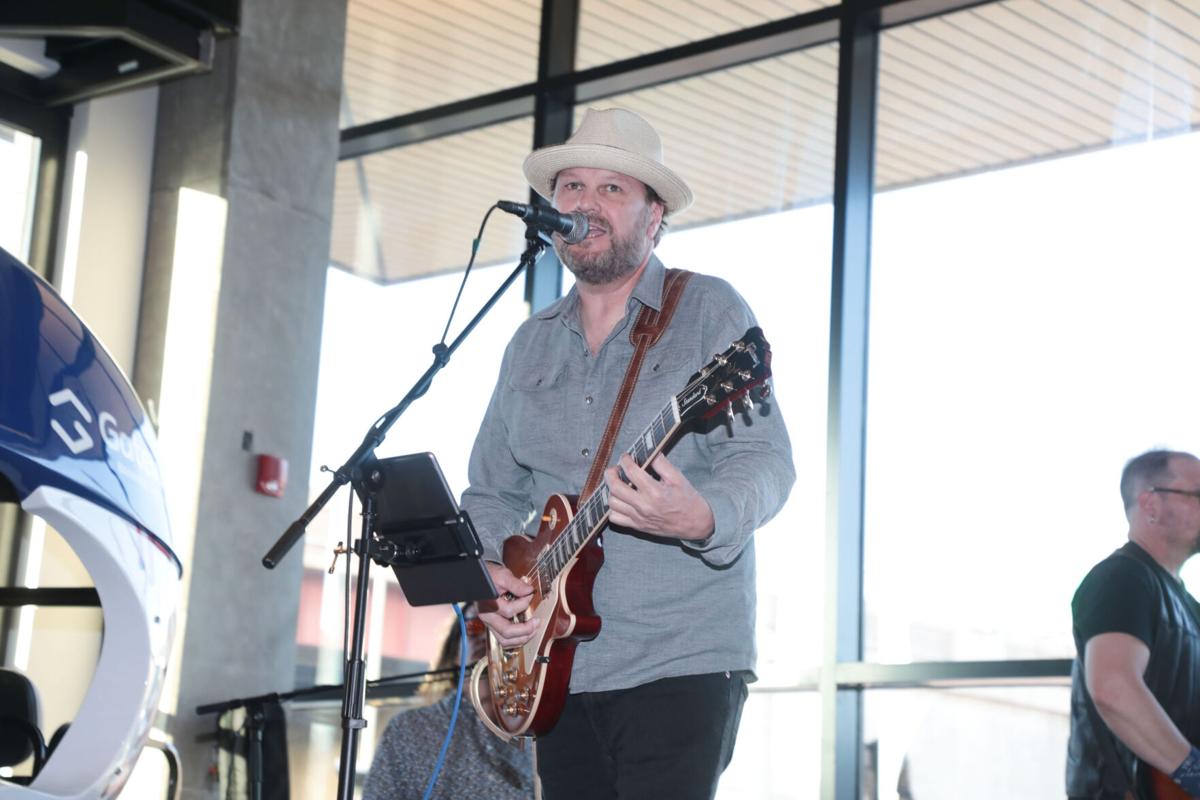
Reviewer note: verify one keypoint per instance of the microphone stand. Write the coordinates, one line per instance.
(362, 475)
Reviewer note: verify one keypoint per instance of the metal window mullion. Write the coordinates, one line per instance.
(858, 67)
(552, 116)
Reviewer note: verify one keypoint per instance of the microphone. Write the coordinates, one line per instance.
(572, 227)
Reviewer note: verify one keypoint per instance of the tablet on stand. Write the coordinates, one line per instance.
(432, 546)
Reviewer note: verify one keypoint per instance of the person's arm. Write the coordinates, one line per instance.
(1114, 664)
(751, 470)
(499, 504)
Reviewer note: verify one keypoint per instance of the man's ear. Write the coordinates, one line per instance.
(1147, 503)
(656, 216)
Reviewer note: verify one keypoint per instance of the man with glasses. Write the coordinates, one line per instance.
(1135, 695)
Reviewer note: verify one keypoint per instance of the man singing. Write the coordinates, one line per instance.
(656, 697)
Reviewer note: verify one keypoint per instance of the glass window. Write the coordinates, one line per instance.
(1030, 321)
(769, 148)
(1001, 742)
(414, 211)
(405, 55)
(778, 748)
(19, 154)
(613, 30)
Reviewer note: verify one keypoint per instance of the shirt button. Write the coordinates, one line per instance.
(588, 399)
(585, 452)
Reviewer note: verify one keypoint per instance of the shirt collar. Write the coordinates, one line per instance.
(648, 291)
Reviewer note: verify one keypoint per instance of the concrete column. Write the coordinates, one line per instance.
(228, 341)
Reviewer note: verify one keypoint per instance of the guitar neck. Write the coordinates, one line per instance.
(593, 513)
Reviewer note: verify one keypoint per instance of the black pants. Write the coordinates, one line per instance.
(671, 738)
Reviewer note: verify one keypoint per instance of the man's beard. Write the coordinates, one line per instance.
(623, 256)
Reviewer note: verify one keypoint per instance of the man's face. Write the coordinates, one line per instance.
(1179, 514)
(621, 223)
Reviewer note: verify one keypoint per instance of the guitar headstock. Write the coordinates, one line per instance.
(728, 378)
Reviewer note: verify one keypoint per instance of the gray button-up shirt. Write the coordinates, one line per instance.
(669, 607)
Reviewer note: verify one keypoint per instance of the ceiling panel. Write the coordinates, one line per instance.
(405, 55)
(1022, 80)
(613, 30)
(1001, 84)
(415, 210)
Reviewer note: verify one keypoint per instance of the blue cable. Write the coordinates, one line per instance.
(462, 672)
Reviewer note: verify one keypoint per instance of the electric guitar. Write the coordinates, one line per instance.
(1157, 786)
(528, 684)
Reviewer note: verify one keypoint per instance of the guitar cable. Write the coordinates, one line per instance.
(462, 671)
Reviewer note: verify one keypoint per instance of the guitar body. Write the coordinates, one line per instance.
(1157, 786)
(529, 683)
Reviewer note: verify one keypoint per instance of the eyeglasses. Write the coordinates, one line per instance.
(1167, 490)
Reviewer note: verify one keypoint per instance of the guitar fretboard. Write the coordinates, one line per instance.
(593, 513)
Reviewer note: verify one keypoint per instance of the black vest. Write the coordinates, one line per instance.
(1173, 676)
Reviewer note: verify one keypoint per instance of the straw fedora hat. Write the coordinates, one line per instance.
(614, 139)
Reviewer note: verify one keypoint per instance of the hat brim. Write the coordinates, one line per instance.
(541, 167)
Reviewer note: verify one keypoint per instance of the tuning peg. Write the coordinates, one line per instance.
(765, 391)
(712, 401)
(729, 412)
(739, 345)
(744, 374)
(727, 386)
(749, 402)
(721, 359)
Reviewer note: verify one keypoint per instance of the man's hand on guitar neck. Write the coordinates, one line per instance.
(515, 596)
(664, 506)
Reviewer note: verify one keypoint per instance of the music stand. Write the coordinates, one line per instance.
(424, 536)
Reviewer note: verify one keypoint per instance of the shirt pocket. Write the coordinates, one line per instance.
(535, 378)
(667, 368)
(538, 419)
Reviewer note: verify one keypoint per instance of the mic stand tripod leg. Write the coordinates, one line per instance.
(356, 684)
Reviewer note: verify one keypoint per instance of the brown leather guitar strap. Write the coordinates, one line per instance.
(647, 330)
